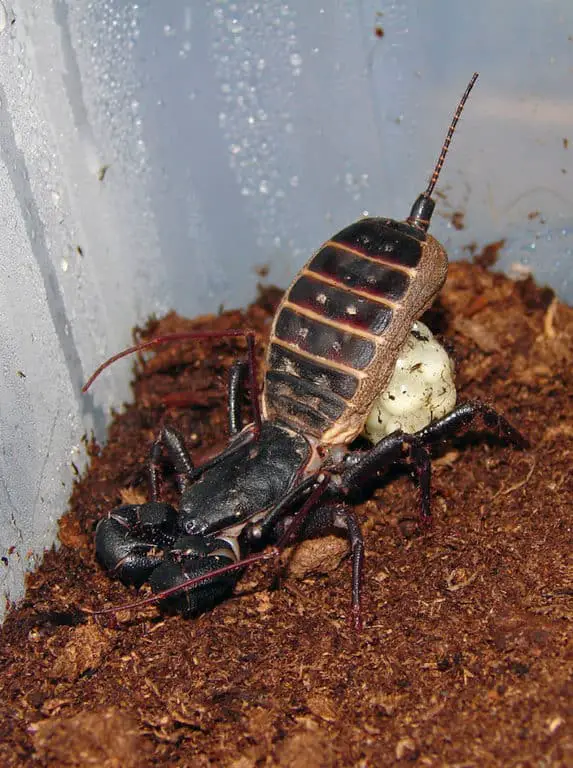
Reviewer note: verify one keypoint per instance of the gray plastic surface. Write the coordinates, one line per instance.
(152, 155)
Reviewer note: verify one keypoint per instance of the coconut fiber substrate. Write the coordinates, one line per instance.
(465, 656)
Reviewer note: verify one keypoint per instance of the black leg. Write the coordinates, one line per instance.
(236, 388)
(340, 517)
(172, 440)
(393, 448)
(463, 416)
(310, 521)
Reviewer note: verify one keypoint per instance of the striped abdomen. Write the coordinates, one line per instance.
(341, 324)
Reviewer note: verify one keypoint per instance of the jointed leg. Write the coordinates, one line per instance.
(463, 416)
(172, 440)
(236, 387)
(391, 449)
(340, 517)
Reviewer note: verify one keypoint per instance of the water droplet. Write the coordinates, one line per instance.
(294, 181)
(185, 48)
(295, 59)
(235, 149)
(264, 187)
(245, 191)
(64, 265)
(168, 30)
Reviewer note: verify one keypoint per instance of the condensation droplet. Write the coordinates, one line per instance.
(264, 187)
(294, 181)
(64, 265)
(295, 59)
(185, 48)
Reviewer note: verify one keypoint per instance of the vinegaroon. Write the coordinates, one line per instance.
(338, 342)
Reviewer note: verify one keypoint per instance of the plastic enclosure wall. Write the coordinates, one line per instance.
(152, 155)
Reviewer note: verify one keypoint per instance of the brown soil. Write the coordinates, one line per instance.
(465, 657)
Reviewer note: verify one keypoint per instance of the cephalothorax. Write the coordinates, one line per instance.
(347, 355)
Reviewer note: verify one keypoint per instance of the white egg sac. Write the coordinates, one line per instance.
(421, 389)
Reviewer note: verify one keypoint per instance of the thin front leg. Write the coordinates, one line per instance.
(188, 336)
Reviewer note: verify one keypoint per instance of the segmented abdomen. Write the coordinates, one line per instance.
(340, 325)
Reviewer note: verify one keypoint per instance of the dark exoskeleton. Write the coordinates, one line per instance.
(289, 474)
